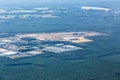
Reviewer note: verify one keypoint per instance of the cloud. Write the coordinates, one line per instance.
(7, 16)
(22, 11)
(48, 16)
(94, 8)
(42, 8)
(10, 13)
(25, 16)
(17, 11)
(2, 11)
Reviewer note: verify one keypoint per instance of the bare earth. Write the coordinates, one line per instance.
(8, 47)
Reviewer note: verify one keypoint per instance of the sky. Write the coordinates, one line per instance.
(29, 1)
(35, 2)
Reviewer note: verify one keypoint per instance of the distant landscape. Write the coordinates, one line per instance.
(60, 40)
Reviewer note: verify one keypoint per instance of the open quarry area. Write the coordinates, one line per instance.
(25, 45)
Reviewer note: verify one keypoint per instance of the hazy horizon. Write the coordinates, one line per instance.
(40, 2)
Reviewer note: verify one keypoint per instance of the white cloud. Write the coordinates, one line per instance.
(17, 11)
(42, 8)
(7, 16)
(2, 11)
(22, 11)
(94, 8)
(48, 16)
(25, 16)
(50, 11)
(47, 11)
